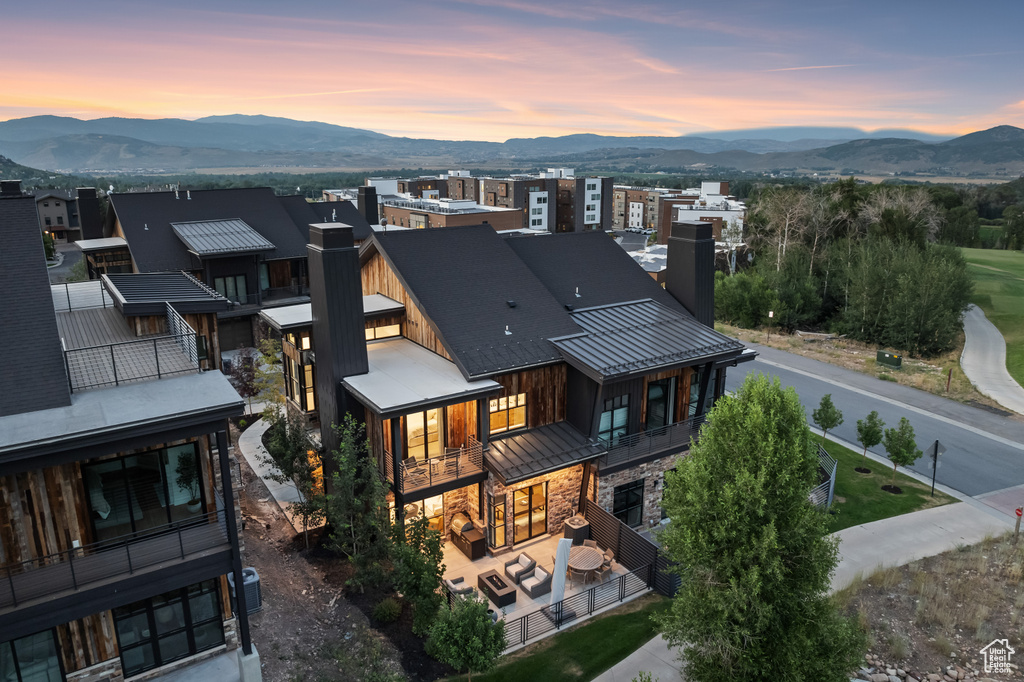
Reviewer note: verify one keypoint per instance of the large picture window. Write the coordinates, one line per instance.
(231, 288)
(423, 434)
(138, 492)
(31, 659)
(660, 403)
(508, 413)
(614, 420)
(165, 628)
(629, 503)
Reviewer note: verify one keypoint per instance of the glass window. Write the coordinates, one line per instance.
(154, 632)
(660, 402)
(629, 503)
(423, 434)
(385, 332)
(264, 276)
(508, 413)
(31, 659)
(231, 288)
(496, 521)
(614, 420)
(310, 385)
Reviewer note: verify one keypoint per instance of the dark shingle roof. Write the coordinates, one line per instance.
(640, 337)
(220, 238)
(28, 327)
(592, 263)
(463, 278)
(146, 219)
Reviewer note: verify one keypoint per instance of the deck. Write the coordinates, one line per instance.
(102, 350)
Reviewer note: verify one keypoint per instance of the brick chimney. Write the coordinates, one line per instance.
(366, 202)
(690, 276)
(339, 341)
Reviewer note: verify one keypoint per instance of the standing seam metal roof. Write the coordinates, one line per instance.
(221, 237)
(638, 336)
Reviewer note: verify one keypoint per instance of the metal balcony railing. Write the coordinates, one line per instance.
(455, 463)
(636, 445)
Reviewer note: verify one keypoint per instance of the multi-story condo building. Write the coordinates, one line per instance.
(509, 378)
(249, 245)
(118, 515)
(656, 208)
(67, 215)
(431, 213)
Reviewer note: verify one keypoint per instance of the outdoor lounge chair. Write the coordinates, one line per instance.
(537, 584)
(459, 586)
(520, 566)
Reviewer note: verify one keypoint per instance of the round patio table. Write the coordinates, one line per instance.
(585, 559)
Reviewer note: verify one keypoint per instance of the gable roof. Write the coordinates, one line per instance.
(146, 219)
(463, 280)
(593, 264)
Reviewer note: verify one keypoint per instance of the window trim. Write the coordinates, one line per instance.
(637, 503)
(614, 407)
(494, 407)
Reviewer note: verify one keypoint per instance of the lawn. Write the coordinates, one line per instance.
(585, 651)
(859, 498)
(999, 291)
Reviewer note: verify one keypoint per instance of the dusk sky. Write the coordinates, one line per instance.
(477, 69)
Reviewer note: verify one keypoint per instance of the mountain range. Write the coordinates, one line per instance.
(263, 142)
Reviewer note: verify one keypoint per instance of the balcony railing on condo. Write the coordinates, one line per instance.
(90, 565)
(418, 474)
(637, 445)
(129, 361)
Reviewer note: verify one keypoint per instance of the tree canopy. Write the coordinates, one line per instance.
(754, 554)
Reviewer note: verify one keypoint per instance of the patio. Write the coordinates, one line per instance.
(542, 550)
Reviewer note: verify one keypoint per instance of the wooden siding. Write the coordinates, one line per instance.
(460, 422)
(378, 278)
(87, 641)
(384, 321)
(682, 375)
(544, 389)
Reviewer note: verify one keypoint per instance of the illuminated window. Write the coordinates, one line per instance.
(508, 413)
(385, 332)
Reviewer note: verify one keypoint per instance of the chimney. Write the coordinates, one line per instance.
(367, 204)
(339, 339)
(89, 213)
(10, 188)
(691, 269)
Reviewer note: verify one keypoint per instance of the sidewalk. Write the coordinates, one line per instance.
(862, 549)
(250, 446)
(984, 361)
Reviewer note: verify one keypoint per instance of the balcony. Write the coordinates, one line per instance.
(647, 444)
(419, 474)
(100, 564)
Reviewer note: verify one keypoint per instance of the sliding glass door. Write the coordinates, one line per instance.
(531, 512)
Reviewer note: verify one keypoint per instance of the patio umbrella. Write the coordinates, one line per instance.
(561, 566)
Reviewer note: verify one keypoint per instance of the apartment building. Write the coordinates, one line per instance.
(118, 513)
(247, 244)
(431, 213)
(656, 208)
(67, 215)
(508, 378)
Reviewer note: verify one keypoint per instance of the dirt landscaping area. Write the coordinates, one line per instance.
(927, 375)
(942, 611)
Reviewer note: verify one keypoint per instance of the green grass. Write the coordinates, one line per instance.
(859, 498)
(586, 651)
(999, 291)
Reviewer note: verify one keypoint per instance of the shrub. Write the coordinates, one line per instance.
(387, 610)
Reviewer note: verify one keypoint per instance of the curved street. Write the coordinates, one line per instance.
(984, 361)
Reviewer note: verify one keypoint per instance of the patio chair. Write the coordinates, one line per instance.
(459, 587)
(590, 543)
(609, 555)
(519, 567)
(601, 573)
(575, 574)
(537, 584)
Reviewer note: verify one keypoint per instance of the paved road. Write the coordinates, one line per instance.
(72, 254)
(984, 361)
(984, 451)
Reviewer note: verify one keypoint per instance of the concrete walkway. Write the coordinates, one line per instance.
(250, 446)
(984, 361)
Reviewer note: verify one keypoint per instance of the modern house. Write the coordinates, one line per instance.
(509, 378)
(118, 514)
(247, 244)
(67, 215)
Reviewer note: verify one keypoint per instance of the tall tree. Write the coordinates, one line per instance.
(357, 506)
(827, 416)
(900, 446)
(293, 457)
(754, 604)
(869, 432)
(242, 375)
(419, 569)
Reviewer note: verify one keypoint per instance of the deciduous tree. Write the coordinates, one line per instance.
(900, 446)
(466, 638)
(754, 554)
(827, 416)
(869, 432)
(419, 569)
(292, 457)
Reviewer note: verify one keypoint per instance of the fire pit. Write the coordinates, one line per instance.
(497, 589)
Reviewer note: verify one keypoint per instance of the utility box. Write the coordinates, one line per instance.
(251, 589)
(888, 359)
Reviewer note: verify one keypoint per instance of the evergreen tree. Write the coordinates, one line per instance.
(756, 556)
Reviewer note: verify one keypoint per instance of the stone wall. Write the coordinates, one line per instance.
(465, 500)
(653, 474)
(107, 671)
(563, 499)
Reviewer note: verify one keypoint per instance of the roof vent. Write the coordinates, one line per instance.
(578, 292)
(511, 303)
(145, 226)
(507, 332)
(188, 194)
(176, 194)
(334, 216)
(570, 306)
